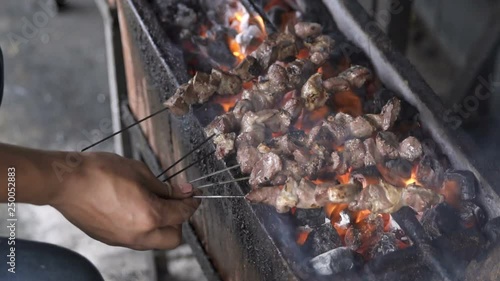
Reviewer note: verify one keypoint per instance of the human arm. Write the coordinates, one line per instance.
(113, 199)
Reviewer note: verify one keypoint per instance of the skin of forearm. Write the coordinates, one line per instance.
(38, 174)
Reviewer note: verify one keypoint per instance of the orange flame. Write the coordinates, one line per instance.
(413, 177)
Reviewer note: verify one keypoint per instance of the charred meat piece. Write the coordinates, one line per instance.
(299, 71)
(283, 145)
(177, 105)
(274, 119)
(259, 99)
(320, 49)
(265, 169)
(339, 127)
(370, 152)
(247, 156)
(356, 75)
(275, 83)
(255, 135)
(266, 54)
(388, 116)
(313, 93)
(294, 107)
(361, 128)
(292, 169)
(267, 195)
(203, 87)
(222, 124)
(378, 198)
(308, 30)
(336, 84)
(354, 151)
(241, 107)
(330, 192)
(339, 163)
(248, 69)
(387, 145)
(410, 149)
(419, 198)
(287, 46)
(187, 92)
(228, 84)
(430, 172)
(319, 134)
(225, 145)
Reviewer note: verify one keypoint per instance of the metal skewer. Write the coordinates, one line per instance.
(188, 166)
(124, 129)
(214, 173)
(223, 182)
(186, 155)
(217, 196)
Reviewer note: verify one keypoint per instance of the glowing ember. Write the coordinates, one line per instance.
(302, 237)
(348, 102)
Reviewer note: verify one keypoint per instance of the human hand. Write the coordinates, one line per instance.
(120, 202)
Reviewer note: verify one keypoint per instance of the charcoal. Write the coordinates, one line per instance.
(440, 220)
(466, 181)
(370, 151)
(322, 239)
(463, 244)
(241, 107)
(492, 230)
(399, 167)
(311, 217)
(386, 244)
(430, 173)
(207, 112)
(335, 261)
(472, 214)
(294, 107)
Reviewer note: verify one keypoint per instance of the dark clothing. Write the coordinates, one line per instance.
(35, 261)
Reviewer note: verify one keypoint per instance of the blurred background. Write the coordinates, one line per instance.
(57, 96)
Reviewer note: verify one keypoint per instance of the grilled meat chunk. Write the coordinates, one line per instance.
(187, 92)
(299, 71)
(410, 149)
(177, 105)
(419, 198)
(354, 152)
(283, 145)
(430, 172)
(339, 127)
(320, 49)
(313, 93)
(287, 46)
(247, 156)
(336, 84)
(266, 54)
(225, 145)
(387, 145)
(360, 128)
(339, 163)
(259, 99)
(330, 192)
(294, 107)
(370, 152)
(275, 83)
(248, 69)
(274, 119)
(356, 75)
(267, 195)
(241, 107)
(222, 124)
(308, 30)
(265, 169)
(387, 117)
(228, 84)
(255, 135)
(203, 87)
